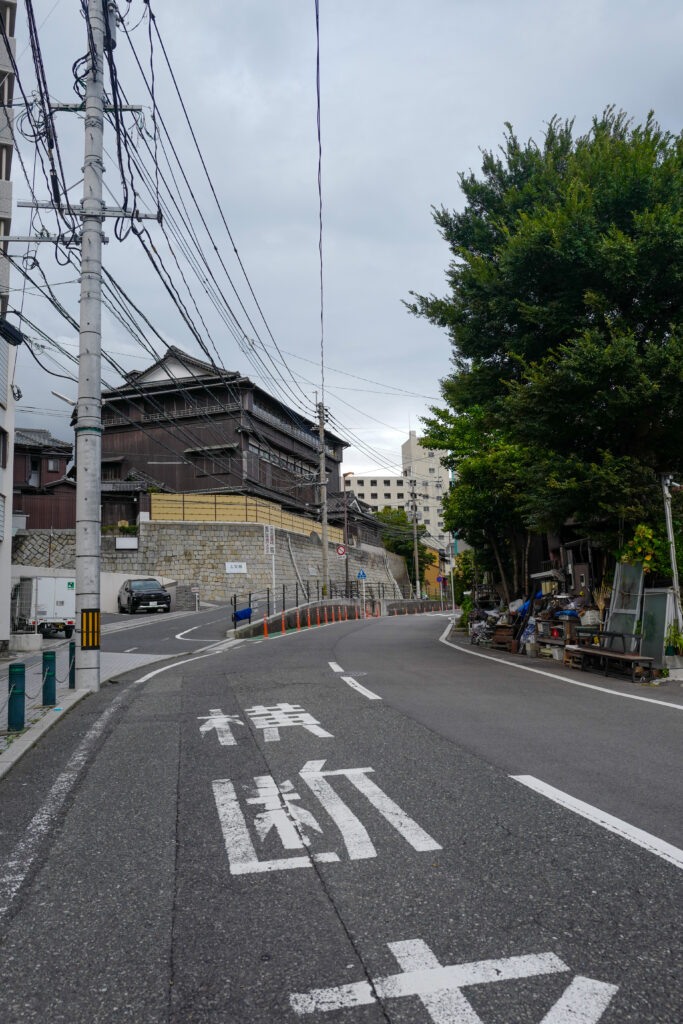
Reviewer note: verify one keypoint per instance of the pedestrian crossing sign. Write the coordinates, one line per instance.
(361, 575)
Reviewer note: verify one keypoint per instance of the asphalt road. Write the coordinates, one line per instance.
(175, 850)
(165, 633)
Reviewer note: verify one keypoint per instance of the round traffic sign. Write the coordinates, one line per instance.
(341, 549)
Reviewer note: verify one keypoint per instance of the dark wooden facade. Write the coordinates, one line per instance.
(42, 491)
(194, 428)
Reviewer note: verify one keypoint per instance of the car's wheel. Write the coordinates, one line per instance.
(121, 608)
(167, 608)
(130, 609)
(69, 632)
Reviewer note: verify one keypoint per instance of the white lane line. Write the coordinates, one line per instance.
(180, 636)
(335, 667)
(361, 689)
(555, 675)
(621, 828)
(14, 870)
(129, 649)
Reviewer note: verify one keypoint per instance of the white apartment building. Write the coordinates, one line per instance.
(431, 483)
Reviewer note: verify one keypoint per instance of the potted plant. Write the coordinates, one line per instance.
(673, 647)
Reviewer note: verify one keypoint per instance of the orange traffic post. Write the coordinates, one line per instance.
(339, 611)
(346, 614)
(283, 623)
(298, 620)
(377, 612)
(395, 611)
(325, 611)
(332, 610)
(308, 617)
(265, 627)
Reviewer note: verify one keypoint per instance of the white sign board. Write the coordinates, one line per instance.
(269, 540)
(126, 543)
(233, 567)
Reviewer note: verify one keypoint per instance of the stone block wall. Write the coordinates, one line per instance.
(196, 553)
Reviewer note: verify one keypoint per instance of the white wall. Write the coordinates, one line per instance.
(110, 582)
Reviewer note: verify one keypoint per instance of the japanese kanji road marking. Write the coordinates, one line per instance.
(350, 681)
(314, 777)
(221, 723)
(277, 716)
(282, 816)
(439, 989)
(241, 852)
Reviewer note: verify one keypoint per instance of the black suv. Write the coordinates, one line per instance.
(146, 595)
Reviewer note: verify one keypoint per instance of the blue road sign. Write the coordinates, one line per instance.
(361, 575)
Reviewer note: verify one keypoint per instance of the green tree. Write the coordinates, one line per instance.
(565, 318)
(398, 537)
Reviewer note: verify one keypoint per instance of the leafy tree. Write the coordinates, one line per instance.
(565, 318)
(463, 574)
(398, 537)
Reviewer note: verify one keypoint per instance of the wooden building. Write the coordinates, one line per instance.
(194, 428)
(42, 491)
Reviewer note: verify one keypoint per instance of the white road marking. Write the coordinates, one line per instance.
(335, 667)
(273, 718)
(222, 724)
(621, 828)
(555, 675)
(240, 849)
(181, 636)
(439, 989)
(361, 689)
(130, 649)
(14, 871)
(282, 815)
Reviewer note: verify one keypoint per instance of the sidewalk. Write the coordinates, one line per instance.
(38, 718)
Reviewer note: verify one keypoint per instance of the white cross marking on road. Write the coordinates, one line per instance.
(221, 723)
(439, 989)
(282, 814)
(272, 719)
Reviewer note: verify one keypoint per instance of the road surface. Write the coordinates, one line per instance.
(352, 824)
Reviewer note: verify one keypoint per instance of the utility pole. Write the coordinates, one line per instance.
(666, 482)
(323, 498)
(416, 556)
(89, 424)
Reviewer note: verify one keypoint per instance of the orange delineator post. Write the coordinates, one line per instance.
(356, 611)
(339, 611)
(308, 617)
(298, 620)
(283, 623)
(346, 614)
(265, 627)
(332, 608)
(395, 611)
(377, 612)
(325, 611)
(317, 615)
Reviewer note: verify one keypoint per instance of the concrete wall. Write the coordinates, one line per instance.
(196, 553)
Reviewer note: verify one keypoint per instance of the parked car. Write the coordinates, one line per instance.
(146, 595)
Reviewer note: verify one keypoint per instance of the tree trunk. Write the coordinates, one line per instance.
(527, 581)
(503, 577)
(515, 567)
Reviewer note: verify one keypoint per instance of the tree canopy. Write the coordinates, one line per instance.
(398, 537)
(564, 313)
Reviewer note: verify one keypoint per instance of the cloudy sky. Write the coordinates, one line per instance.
(410, 94)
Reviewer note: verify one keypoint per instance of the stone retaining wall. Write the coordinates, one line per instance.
(196, 553)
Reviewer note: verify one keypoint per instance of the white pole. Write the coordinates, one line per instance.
(363, 598)
(666, 482)
(272, 555)
(89, 425)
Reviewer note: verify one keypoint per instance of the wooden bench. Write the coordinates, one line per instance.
(608, 650)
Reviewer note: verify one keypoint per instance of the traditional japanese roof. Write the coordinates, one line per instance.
(41, 439)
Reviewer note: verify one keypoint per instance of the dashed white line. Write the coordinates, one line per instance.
(335, 667)
(361, 689)
(621, 828)
(130, 649)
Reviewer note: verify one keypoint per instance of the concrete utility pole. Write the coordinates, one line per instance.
(323, 498)
(666, 482)
(89, 425)
(416, 556)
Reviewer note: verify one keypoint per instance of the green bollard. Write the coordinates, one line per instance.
(72, 665)
(49, 679)
(17, 693)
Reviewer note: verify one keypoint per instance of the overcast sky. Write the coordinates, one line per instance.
(410, 94)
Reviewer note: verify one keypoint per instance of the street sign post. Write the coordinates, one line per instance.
(269, 549)
(341, 550)
(362, 576)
